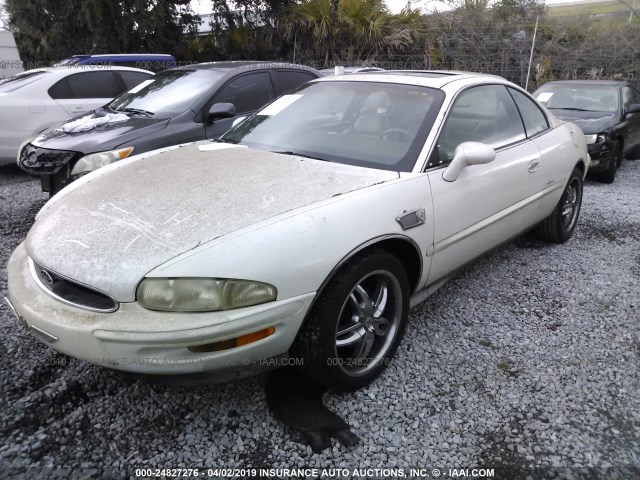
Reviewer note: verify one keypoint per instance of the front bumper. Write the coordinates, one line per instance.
(601, 156)
(141, 341)
(52, 166)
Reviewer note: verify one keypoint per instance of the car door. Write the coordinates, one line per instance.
(553, 144)
(248, 92)
(487, 204)
(630, 96)
(84, 91)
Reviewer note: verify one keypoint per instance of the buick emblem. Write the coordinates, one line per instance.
(46, 276)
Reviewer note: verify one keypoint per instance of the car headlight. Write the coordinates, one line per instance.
(94, 161)
(595, 138)
(202, 294)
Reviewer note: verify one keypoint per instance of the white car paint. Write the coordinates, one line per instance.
(284, 220)
(29, 110)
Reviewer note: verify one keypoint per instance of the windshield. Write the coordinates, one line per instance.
(169, 92)
(573, 96)
(20, 80)
(370, 124)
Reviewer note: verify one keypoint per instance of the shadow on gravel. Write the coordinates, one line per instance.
(296, 401)
(12, 174)
(529, 241)
(20, 226)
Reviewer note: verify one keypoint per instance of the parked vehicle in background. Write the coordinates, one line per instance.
(309, 229)
(332, 71)
(608, 112)
(155, 62)
(175, 106)
(10, 63)
(36, 99)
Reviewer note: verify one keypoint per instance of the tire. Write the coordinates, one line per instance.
(634, 155)
(609, 175)
(346, 341)
(559, 226)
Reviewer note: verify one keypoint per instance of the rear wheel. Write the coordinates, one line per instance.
(354, 328)
(634, 155)
(559, 226)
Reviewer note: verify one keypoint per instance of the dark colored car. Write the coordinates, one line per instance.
(180, 105)
(608, 112)
(155, 62)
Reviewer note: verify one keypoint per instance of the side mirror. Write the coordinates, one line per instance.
(633, 108)
(468, 153)
(221, 110)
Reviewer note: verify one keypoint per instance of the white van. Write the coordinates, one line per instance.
(10, 62)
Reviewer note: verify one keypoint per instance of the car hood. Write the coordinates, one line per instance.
(104, 137)
(116, 227)
(589, 122)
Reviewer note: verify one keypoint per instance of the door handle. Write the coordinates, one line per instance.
(534, 165)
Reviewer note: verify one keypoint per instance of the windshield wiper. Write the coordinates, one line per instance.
(570, 108)
(139, 111)
(225, 140)
(298, 154)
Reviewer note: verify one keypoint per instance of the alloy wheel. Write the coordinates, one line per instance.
(368, 322)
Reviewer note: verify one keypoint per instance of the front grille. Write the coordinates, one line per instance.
(38, 160)
(71, 292)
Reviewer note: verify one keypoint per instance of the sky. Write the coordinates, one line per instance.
(204, 6)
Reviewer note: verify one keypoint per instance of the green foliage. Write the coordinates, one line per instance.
(479, 35)
(49, 30)
(348, 31)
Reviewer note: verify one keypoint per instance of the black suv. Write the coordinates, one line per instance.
(179, 105)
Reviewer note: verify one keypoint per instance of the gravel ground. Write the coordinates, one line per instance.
(528, 358)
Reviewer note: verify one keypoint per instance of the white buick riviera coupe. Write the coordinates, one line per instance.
(308, 230)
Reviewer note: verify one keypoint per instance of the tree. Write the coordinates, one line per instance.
(353, 30)
(49, 30)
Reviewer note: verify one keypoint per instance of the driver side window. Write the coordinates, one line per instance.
(485, 114)
(247, 92)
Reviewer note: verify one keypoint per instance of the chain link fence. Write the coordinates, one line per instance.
(560, 52)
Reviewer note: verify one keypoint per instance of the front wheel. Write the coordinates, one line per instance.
(609, 175)
(559, 226)
(354, 328)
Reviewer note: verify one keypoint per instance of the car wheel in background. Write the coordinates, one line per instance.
(354, 328)
(559, 226)
(634, 154)
(609, 175)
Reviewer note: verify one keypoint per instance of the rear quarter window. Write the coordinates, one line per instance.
(94, 84)
(131, 79)
(535, 121)
(285, 80)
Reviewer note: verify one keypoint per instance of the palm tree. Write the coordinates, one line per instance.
(353, 29)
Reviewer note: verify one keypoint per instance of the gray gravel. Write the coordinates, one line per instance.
(528, 358)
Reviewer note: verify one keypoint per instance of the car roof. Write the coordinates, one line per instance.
(78, 68)
(428, 78)
(124, 55)
(587, 82)
(330, 71)
(242, 64)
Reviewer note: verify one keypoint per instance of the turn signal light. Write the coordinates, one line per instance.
(233, 342)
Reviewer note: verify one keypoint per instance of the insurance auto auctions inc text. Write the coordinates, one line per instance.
(355, 473)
